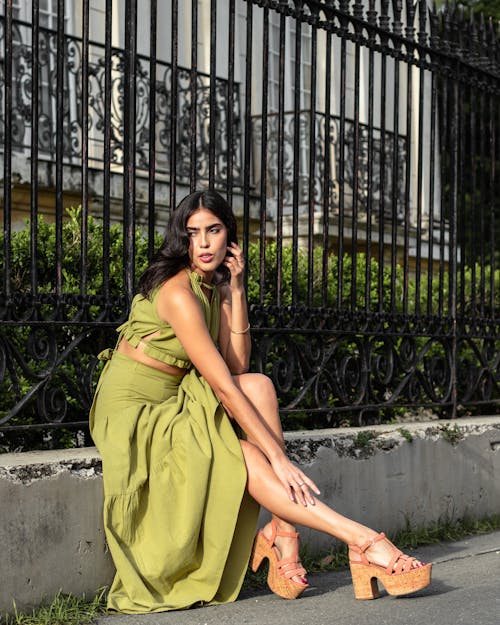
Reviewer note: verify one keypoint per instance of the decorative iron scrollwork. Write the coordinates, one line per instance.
(339, 374)
(162, 88)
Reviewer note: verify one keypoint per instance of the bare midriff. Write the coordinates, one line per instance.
(137, 354)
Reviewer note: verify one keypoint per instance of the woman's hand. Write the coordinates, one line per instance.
(296, 483)
(235, 262)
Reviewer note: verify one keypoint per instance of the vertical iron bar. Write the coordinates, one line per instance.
(406, 244)
(370, 150)
(60, 62)
(35, 69)
(444, 164)
(381, 212)
(461, 224)
(453, 235)
(473, 207)
(263, 157)
(312, 168)
(174, 84)
(421, 119)
(281, 136)
(248, 131)
(296, 162)
(129, 143)
(193, 174)
(483, 202)
(107, 152)
(7, 164)
(493, 149)
(213, 93)
(395, 188)
(432, 166)
(355, 181)
(152, 119)
(341, 168)
(327, 191)
(85, 146)
(230, 103)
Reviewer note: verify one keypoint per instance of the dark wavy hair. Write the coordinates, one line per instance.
(173, 254)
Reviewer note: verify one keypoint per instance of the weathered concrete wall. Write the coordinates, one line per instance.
(51, 532)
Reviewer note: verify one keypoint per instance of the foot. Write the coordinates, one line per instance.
(285, 546)
(381, 552)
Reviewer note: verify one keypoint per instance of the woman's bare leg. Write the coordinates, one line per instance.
(264, 486)
(260, 391)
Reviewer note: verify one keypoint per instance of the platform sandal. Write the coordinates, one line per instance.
(398, 577)
(279, 577)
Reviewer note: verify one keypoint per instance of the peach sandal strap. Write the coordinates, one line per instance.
(289, 567)
(274, 533)
(399, 563)
(365, 546)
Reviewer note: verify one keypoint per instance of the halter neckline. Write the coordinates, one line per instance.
(199, 279)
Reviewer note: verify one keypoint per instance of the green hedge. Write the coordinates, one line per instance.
(71, 244)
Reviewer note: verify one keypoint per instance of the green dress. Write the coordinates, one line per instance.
(178, 519)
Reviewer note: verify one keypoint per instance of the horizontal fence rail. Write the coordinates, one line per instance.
(358, 142)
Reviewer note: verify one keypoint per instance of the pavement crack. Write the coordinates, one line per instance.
(467, 555)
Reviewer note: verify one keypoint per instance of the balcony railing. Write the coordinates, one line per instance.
(153, 101)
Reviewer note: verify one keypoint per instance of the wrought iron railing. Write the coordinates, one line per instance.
(368, 202)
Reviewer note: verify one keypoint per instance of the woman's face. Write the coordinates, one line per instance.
(207, 242)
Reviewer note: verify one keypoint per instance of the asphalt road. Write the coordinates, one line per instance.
(465, 590)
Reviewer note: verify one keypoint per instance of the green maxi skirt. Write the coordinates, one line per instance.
(178, 519)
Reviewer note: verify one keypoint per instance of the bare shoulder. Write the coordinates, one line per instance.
(175, 294)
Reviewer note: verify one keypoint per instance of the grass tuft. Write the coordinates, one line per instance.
(65, 609)
(406, 434)
(451, 434)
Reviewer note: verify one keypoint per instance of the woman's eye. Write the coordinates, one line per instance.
(215, 230)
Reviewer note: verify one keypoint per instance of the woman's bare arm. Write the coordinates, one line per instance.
(234, 334)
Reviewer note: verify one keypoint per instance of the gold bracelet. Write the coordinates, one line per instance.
(241, 331)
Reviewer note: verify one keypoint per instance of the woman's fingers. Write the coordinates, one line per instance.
(235, 265)
(304, 492)
(235, 256)
(297, 485)
(300, 487)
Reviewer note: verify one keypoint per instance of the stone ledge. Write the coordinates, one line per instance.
(362, 442)
(35, 465)
(302, 445)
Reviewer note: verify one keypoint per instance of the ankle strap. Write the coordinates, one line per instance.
(275, 532)
(369, 543)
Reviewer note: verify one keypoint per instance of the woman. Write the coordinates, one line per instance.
(192, 444)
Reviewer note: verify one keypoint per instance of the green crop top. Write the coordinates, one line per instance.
(143, 321)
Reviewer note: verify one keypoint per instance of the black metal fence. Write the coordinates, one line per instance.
(358, 143)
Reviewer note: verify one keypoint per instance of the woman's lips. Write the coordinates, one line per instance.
(206, 258)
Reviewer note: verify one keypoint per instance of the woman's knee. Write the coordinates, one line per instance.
(256, 385)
